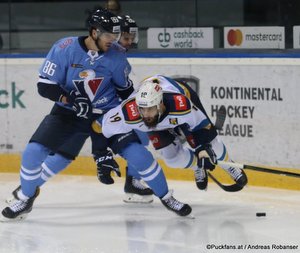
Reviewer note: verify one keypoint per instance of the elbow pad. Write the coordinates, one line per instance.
(50, 91)
(123, 94)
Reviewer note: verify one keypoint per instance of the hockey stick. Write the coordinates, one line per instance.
(228, 188)
(220, 119)
(260, 169)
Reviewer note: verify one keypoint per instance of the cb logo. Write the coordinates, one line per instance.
(164, 38)
(234, 37)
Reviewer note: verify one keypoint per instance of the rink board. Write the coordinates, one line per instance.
(85, 166)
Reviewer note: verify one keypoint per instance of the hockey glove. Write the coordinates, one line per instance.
(80, 104)
(105, 165)
(207, 158)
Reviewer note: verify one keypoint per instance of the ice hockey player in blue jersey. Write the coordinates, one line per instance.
(168, 111)
(85, 76)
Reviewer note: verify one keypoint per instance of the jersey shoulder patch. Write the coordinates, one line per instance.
(177, 103)
(65, 42)
(130, 112)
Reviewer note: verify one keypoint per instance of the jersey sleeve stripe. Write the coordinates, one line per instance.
(45, 80)
(202, 124)
(180, 112)
(133, 122)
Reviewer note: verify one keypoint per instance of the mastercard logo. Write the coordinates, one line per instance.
(234, 37)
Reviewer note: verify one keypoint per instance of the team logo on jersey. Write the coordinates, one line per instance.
(132, 111)
(190, 139)
(155, 140)
(180, 103)
(173, 121)
(90, 84)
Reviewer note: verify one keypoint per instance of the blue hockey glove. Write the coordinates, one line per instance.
(207, 158)
(80, 104)
(105, 165)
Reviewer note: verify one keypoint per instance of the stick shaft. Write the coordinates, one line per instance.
(261, 169)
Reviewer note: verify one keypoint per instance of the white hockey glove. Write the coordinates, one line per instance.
(105, 165)
(80, 104)
(207, 158)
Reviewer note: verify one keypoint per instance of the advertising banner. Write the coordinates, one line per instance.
(184, 37)
(296, 36)
(254, 37)
(261, 96)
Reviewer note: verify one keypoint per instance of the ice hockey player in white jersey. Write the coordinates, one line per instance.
(168, 110)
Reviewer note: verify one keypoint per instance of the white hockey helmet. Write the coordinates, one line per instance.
(150, 94)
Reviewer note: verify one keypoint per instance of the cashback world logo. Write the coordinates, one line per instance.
(180, 37)
(164, 38)
(235, 37)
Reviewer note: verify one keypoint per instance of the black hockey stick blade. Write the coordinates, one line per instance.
(228, 188)
(221, 116)
(260, 169)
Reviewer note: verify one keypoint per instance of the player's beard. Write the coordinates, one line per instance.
(151, 123)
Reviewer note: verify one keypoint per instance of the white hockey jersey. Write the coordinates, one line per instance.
(179, 111)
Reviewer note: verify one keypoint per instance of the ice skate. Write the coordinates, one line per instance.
(238, 176)
(18, 208)
(15, 197)
(174, 205)
(201, 178)
(136, 191)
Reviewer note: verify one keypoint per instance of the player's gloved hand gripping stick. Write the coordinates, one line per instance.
(80, 104)
(105, 165)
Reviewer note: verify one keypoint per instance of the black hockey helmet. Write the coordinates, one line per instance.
(104, 21)
(128, 25)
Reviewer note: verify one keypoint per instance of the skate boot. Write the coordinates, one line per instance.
(136, 191)
(201, 178)
(174, 205)
(15, 197)
(18, 209)
(238, 176)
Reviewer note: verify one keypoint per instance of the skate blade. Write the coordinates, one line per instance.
(202, 189)
(190, 216)
(135, 198)
(19, 218)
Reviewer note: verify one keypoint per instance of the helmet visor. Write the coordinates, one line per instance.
(134, 32)
(108, 35)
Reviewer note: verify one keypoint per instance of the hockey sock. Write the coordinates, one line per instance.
(143, 137)
(155, 178)
(145, 141)
(133, 172)
(52, 165)
(32, 158)
(149, 170)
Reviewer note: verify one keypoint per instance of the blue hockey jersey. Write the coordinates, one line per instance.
(72, 66)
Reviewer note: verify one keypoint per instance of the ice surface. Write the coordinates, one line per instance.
(78, 214)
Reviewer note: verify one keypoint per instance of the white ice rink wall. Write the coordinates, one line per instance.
(260, 95)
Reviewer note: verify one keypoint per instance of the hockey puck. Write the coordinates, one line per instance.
(260, 214)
